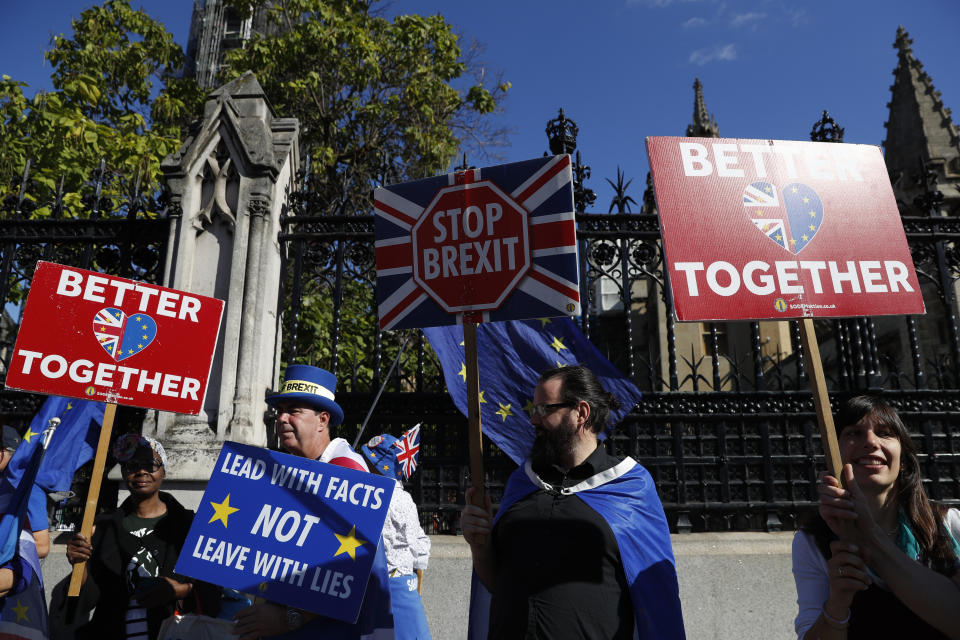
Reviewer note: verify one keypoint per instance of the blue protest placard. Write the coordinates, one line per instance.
(294, 531)
(481, 245)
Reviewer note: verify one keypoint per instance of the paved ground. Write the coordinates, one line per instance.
(732, 585)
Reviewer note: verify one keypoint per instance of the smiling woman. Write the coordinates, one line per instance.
(133, 551)
(879, 559)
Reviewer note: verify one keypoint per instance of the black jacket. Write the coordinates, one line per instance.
(106, 587)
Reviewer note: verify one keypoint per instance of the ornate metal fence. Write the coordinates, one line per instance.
(97, 228)
(726, 425)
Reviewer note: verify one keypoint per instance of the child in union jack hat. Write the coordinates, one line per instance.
(406, 545)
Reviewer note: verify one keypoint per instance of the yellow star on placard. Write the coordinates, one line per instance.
(482, 399)
(504, 411)
(222, 511)
(144, 336)
(806, 200)
(794, 189)
(557, 344)
(129, 350)
(137, 318)
(21, 612)
(139, 346)
(463, 371)
(812, 228)
(778, 237)
(143, 326)
(793, 241)
(118, 314)
(804, 237)
(69, 406)
(29, 434)
(349, 543)
(813, 214)
(759, 213)
(767, 189)
(386, 468)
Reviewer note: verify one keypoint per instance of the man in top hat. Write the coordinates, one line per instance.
(406, 545)
(306, 414)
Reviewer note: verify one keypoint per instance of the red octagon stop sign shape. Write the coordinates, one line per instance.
(471, 247)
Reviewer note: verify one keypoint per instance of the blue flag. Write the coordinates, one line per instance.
(73, 443)
(511, 356)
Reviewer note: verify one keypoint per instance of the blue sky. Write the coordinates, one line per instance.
(624, 69)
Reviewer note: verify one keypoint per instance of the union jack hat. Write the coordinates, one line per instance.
(394, 457)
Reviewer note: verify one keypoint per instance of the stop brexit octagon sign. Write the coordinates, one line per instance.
(497, 243)
(90, 335)
(769, 229)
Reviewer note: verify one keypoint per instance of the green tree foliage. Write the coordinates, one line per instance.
(376, 99)
(116, 97)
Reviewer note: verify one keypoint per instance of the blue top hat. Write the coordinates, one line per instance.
(312, 386)
(394, 457)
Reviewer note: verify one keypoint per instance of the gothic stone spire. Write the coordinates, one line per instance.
(920, 130)
(704, 126)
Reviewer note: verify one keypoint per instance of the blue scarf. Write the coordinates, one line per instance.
(907, 541)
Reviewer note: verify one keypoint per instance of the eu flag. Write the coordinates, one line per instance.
(72, 445)
(511, 356)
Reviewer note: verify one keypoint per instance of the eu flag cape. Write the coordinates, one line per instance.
(511, 356)
(626, 498)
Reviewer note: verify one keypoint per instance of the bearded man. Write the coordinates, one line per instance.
(580, 547)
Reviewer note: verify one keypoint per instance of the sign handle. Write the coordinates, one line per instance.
(93, 494)
(473, 411)
(818, 384)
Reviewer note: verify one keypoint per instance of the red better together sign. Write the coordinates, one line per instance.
(90, 335)
(769, 229)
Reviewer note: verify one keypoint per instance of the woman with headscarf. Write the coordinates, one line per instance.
(879, 560)
(133, 550)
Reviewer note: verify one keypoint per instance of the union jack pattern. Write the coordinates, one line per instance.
(108, 328)
(409, 446)
(543, 187)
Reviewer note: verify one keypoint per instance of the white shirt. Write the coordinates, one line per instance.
(406, 545)
(813, 580)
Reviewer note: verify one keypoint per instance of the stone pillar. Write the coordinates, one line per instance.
(228, 183)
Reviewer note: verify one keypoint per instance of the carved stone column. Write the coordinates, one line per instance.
(228, 183)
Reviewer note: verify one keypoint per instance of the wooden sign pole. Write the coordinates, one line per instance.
(93, 495)
(818, 384)
(473, 411)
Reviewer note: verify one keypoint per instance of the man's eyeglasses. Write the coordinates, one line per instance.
(541, 410)
(132, 467)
